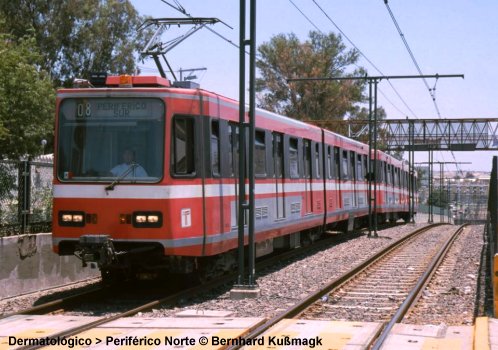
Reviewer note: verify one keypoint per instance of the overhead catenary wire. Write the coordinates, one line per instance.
(432, 92)
(361, 53)
(370, 62)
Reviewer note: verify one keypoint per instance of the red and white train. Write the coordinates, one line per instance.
(171, 203)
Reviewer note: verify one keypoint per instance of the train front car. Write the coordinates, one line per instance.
(110, 175)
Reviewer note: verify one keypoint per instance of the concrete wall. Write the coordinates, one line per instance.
(27, 264)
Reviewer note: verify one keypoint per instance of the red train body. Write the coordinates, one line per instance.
(179, 212)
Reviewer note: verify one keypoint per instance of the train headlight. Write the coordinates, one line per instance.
(152, 219)
(66, 217)
(147, 219)
(72, 218)
(77, 218)
(140, 219)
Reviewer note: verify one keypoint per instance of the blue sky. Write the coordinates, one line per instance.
(445, 36)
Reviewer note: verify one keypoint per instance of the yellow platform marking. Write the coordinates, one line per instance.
(481, 334)
(442, 344)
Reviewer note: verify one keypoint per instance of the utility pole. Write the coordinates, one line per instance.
(246, 288)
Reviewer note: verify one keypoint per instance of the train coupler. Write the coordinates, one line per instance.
(97, 249)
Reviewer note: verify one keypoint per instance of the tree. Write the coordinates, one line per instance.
(27, 99)
(322, 55)
(79, 37)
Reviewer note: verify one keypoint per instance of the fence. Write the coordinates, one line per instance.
(492, 232)
(25, 197)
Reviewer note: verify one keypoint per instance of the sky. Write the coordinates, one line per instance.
(444, 36)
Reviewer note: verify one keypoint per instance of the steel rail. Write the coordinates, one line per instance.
(297, 309)
(419, 287)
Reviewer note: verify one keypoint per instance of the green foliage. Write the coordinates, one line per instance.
(79, 37)
(27, 98)
(320, 56)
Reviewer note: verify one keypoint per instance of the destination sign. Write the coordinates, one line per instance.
(111, 108)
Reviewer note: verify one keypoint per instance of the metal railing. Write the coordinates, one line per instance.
(25, 197)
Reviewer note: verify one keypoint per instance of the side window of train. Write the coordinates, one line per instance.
(183, 146)
(317, 163)
(365, 166)
(278, 155)
(337, 163)
(329, 162)
(352, 165)
(233, 150)
(344, 166)
(359, 167)
(259, 154)
(307, 158)
(381, 171)
(293, 158)
(215, 148)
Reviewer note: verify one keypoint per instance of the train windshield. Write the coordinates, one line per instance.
(104, 139)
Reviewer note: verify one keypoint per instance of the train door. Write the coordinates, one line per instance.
(278, 166)
(308, 180)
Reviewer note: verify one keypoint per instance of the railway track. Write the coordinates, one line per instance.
(64, 304)
(392, 300)
(306, 309)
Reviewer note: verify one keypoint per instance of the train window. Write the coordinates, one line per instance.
(233, 150)
(183, 154)
(337, 162)
(259, 153)
(352, 163)
(365, 166)
(345, 166)
(317, 161)
(215, 148)
(359, 167)
(330, 162)
(95, 133)
(278, 155)
(307, 159)
(293, 158)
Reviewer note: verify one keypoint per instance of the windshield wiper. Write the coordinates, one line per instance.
(113, 184)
